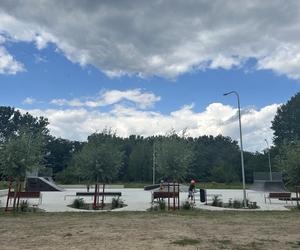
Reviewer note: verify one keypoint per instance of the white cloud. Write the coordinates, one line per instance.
(29, 100)
(8, 65)
(165, 38)
(79, 123)
(140, 99)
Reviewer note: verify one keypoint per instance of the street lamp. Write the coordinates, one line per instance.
(153, 163)
(271, 178)
(241, 142)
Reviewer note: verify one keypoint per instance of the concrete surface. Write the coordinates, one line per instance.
(137, 199)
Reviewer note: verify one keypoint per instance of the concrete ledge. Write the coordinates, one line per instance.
(91, 186)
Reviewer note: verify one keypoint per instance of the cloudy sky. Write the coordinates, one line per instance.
(147, 67)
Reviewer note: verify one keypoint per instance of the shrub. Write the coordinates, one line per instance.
(24, 206)
(186, 205)
(216, 201)
(230, 202)
(252, 205)
(154, 207)
(78, 203)
(116, 203)
(237, 204)
(162, 205)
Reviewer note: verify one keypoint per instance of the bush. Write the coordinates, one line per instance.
(237, 204)
(24, 206)
(116, 203)
(217, 201)
(78, 203)
(186, 205)
(162, 205)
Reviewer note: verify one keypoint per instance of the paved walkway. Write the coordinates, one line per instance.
(137, 199)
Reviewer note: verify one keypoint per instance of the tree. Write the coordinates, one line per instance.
(288, 160)
(12, 121)
(100, 158)
(286, 124)
(140, 162)
(174, 157)
(60, 152)
(22, 152)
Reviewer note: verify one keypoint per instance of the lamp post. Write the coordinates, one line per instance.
(241, 142)
(271, 178)
(153, 164)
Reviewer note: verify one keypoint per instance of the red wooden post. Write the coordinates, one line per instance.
(103, 188)
(174, 196)
(178, 196)
(168, 196)
(297, 195)
(8, 194)
(95, 196)
(19, 189)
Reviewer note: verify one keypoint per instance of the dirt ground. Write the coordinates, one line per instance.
(151, 230)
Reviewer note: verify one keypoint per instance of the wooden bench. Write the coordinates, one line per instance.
(91, 194)
(100, 194)
(27, 195)
(162, 195)
(286, 196)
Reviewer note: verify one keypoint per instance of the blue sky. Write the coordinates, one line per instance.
(50, 75)
(145, 69)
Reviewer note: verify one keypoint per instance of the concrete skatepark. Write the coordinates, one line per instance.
(137, 199)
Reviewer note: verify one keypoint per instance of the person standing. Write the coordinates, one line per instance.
(192, 189)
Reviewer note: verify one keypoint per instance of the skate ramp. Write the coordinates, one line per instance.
(263, 183)
(41, 184)
(269, 186)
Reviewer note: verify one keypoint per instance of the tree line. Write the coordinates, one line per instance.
(26, 144)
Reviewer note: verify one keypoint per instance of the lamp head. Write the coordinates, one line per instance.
(228, 93)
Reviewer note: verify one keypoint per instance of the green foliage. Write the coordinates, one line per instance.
(116, 203)
(174, 157)
(22, 152)
(110, 158)
(24, 207)
(237, 204)
(288, 161)
(159, 206)
(162, 205)
(286, 123)
(216, 201)
(60, 153)
(12, 122)
(99, 160)
(186, 205)
(140, 160)
(78, 203)
(224, 174)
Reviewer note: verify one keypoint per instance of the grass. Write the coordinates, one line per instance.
(186, 242)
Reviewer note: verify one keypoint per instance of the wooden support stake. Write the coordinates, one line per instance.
(9, 190)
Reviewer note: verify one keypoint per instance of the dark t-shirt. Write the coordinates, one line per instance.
(192, 187)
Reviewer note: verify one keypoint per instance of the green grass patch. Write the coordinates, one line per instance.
(186, 242)
(3, 185)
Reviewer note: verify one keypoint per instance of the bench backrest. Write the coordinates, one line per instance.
(165, 195)
(25, 194)
(280, 195)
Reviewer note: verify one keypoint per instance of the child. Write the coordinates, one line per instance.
(192, 189)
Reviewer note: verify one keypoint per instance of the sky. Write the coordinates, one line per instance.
(150, 67)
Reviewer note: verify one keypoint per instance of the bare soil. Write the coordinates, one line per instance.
(151, 230)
